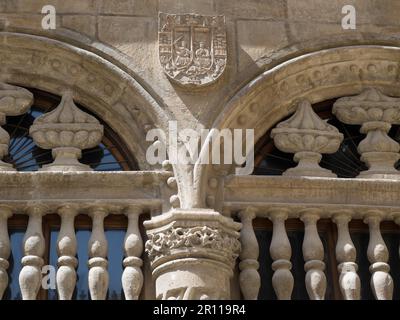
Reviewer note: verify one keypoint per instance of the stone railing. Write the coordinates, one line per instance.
(30, 277)
(309, 200)
(313, 251)
(309, 192)
(68, 188)
(96, 194)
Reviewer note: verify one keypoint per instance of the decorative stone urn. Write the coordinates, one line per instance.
(307, 136)
(66, 130)
(376, 113)
(192, 254)
(14, 101)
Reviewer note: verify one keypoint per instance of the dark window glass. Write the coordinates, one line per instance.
(296, 240)
(115, 238)
(361, 240)
(13, 291)
(109, 155)
(345, 163)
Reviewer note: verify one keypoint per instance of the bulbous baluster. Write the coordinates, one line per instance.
(397, 220)
(349, 281)
(30, 276)
(66, 249)
(98, 248)
(313, 253)
(249, 278)
(5, 213)
(132, 277)
(378, 256)
(281, 251)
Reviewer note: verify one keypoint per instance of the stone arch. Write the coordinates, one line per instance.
(315, 76)
(101, 86)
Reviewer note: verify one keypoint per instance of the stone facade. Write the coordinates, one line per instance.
(247, 64)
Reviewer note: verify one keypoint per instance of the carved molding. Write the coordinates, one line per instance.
(317, 76)
(103, 86)
(329, 194)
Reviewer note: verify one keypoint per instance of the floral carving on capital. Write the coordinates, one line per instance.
(194, 238)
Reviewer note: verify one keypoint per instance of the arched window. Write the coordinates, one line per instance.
(110, 155)
(345, 163)
(25, 155)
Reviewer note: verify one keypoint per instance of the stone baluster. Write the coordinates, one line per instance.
(378, 256)
(396, 218)
(98, 248)
(349, 281)
(30, 276)
(313, 253)
(249, 277)
(132, 277)
(281, 252)
(5, 213)
(66, 250)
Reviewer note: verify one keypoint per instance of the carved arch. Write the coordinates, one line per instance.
(99, 85)
(316, 76)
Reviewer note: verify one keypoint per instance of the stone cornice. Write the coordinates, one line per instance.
(115, 190)
(327, 194)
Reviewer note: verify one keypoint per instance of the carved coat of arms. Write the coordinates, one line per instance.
(192, 47)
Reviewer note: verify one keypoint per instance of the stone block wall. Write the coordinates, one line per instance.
(261, 33)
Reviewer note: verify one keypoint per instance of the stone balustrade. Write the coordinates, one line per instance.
(314, 256)
(30, 277)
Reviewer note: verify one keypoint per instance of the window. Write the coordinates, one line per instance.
(345, 163)
(328, 234)
(110, 155)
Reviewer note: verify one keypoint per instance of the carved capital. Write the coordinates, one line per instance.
(197, 248)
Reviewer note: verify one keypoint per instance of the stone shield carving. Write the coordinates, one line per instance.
(192, 47)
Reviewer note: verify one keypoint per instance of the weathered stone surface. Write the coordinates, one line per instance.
(252, 8)
(179, 6)
(107, 52)
(257, 38)
(83, 24)
(128, 7)
(70, 6)
(379, 12)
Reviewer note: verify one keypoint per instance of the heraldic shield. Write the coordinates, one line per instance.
(192, 47)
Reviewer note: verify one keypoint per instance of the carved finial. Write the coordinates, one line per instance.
(13, 102)
(375, 112)
(67, 130)
(306, 135)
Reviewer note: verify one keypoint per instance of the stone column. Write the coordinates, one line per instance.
(192, 254)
